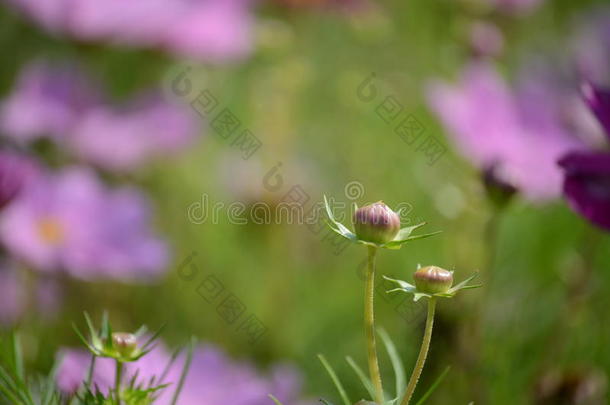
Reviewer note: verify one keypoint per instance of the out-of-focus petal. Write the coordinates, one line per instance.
(587, 185)
(598, 100)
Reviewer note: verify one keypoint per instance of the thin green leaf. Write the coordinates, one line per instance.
(155, 336)
(433, 386)
(93, 333)
(397, 365)
(397, 244)
(404, 233)
(17, 355)
(82, 338)
(363, 378)
(275, 400)
(402, 285)
(185, 369)
(335, 379)
(462, 285)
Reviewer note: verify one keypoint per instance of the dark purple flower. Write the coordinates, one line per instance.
(598, 100)
(70, 221)
(587, 185)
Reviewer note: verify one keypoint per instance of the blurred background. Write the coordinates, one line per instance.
(148, 146)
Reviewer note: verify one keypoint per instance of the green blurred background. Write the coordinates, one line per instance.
(545, 305)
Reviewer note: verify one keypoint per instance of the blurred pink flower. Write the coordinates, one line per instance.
(59, 103)
(213, 378)
(123, 139)
(206, 30)
(46, 102)
(69, 221)
(518, 132)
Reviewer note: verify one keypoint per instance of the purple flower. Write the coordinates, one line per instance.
(516, 131)
(598, 100)
(213, 378)
(205, 30)
(69, 221)
(587, 185)
(46, 102)
(215, 30)
(15, 172)
(587, 174)
(123, 139)
(58, 103)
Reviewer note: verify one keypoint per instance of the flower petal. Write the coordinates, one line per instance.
(587, 185)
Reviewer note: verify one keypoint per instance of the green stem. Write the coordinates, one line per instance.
(423, 353)
(90, 372)
(117, 381)
(369, 326)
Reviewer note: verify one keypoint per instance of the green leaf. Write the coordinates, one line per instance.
(397, 365)
(397, 244)
(402, 285)
(363, 378)
(185, 369)
(277, 401)
(335, 379)
(404, 233)
(337, 226)
(463, 286)
(433, 387)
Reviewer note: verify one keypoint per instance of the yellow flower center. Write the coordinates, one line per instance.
(50, 231)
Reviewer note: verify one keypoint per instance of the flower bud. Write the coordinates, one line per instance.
(124, 343)
(433, 280)
(376, 223)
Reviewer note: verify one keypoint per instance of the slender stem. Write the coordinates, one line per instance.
(90, 372)
(369, 326)
(423, 353)
(117, 381)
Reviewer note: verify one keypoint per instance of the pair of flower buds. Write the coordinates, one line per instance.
(378, 224)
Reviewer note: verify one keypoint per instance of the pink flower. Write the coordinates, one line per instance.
(69, 221)
(213, 378)
(60, 104)
(206, 30)
(518, 132)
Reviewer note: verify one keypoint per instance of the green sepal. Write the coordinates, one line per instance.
(417, 295)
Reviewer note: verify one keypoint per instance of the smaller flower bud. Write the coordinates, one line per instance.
(376, 223)
(433, 280)
(124, 343)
